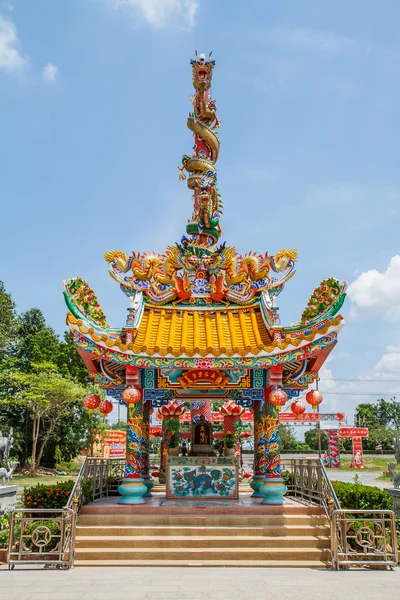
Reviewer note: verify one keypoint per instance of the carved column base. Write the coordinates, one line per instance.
(149, 483)
(255, 485)
(273, 490)
(132, 491)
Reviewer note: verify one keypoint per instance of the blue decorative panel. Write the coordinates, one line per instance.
(293, 393)
(116, 394)
(211, 481)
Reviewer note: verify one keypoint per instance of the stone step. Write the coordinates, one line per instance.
(197, 562)
(200, 530)
(197, 542)
(216, 554)
(199, 519)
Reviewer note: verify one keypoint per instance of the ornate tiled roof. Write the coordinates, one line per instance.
(192, 332)
(181, 332)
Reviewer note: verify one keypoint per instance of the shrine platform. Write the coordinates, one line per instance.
(202, 533)
(158, 504)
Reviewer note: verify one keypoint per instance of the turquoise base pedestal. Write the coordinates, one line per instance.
(255, 485)
(273, 490)
(149, 483)
(132, 491)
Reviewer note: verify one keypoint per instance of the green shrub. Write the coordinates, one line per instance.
(365, 497)
(288, 478)
(53, 496)
(4, 529)
(230, 440)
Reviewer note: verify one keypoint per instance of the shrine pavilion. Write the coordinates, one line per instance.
(203, 327)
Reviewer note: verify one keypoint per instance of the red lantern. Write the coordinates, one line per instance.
(105, 407)
(314, 398)
(278, 397)
(244, 435)
(131, 395)
(297, 408)
(91, 401)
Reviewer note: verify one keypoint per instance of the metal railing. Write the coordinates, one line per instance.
(97, 478)
(308, 482)
(47, 536)
(363, 538)
(358, 537)
(42, 536)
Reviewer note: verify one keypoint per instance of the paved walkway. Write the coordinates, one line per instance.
(366, 477)
(117, 583)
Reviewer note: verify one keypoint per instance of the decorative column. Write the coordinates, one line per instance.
(148, 482)
(163, 449)
(171, 439)
(132, 487)
(273, 488)
(232, 413)
(259, 449)
(333, 449)
(358, 458)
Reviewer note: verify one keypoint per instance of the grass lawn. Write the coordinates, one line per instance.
(45, 479)
(371, 463)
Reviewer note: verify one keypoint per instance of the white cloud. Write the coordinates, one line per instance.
(10, 58)
(389, 363)
(50, 73)
(308, 39)
(161, 13)
(375, 292)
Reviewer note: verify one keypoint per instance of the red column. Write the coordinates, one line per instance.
(358, 458)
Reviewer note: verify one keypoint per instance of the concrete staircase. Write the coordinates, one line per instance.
(271, 540)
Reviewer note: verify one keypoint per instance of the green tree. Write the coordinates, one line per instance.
(8, 320)
(69, 361)
(37, 342)
(311, 438)
(289, 442)
(46, 395)
(383, 421)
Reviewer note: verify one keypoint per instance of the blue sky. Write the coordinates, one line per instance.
(93, 107)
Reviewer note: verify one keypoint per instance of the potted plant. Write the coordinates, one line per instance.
(173, 444)
(229, 443)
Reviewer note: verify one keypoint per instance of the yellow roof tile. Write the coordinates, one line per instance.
(188, 332)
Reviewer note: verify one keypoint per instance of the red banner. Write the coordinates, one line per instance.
(114, 443)
(348, 432)
(305, 417)
(246, 416)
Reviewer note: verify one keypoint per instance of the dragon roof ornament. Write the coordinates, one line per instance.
(197, 271)
(235, 322)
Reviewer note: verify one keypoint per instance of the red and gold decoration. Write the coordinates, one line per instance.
(314, 398)
(91, 402)
(105, 407)
(172, 409)
(297, 408)
(278, 398)
(204, 378)
(131, 395)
